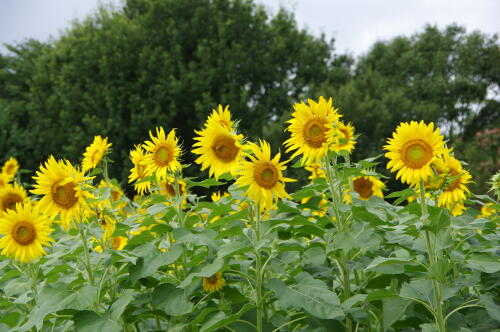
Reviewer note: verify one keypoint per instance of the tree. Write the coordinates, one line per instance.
(448, 76)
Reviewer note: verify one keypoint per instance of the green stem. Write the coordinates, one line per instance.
(258, 272)
(180, 218)
(436, 285)
(86, 254)
(105, 169)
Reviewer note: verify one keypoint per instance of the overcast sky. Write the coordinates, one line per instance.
(355, 24)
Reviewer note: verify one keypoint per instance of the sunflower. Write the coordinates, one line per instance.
(221, 116)
(163, 153)
(10, 194)
(64, 191)
(455, 189)
(220, 150)
(366, 187)
(412, 149)
(140, 171)
(214, 283)
(117, 243)
(167, 187)
(10, 167)
(26, 229)
(487, 211)
(217, 196)
(316, 171)
(4, 179)
(310, 128)
(343, 137)
(94, 153)
(263, 176)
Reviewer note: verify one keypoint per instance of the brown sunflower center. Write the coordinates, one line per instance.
(314, 133)
(163, 155)
(24, 233)
(9, 202)
(115, 195)
(416, 153)
(115, 243)
(225, 149)
(363, 187)
(266, 175)
(65, 195)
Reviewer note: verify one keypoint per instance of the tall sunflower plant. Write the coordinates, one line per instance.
(235, 250)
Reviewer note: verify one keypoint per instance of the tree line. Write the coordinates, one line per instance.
(121, 72)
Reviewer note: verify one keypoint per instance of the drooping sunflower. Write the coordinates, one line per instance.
(310, 128)
(140, 171)
(163, 153)
(94, 153)
(412, 149)
(167, 187)
(64, 191)
(454, 190)
(221, 116)
(4, 179)
(219, 148)
(10, 167)
(10, 194)
(342, 138)
(263, 176)
(366, 187)
(26, 229)
(214, 283)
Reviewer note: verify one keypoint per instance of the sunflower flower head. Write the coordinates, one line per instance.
(454, 190)
(366, 187)
(220, 116)
(94, 153)
(64, 191)
(10, 167)
(163, 153)
(262, 176)
(25, 229)
(310, 129)
(10, 195)
(342, 137)
(316, 170)
(214, 283)
(219, 149)
(412, 149)
(4, 179)
(140, 171)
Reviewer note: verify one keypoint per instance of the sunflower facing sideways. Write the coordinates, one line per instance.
(140, 171)
(310, 129)
(412, 149)
(163, 153)
(10, 167)
(4, 179)
(342, 138)
(214, 283)
(25, 230)
(94, 153)
(454, 189)
(262, 176)
(221, 116)
(219, 148)
(10, 195)
(62, 187)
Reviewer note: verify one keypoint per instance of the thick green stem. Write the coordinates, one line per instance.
(258, 272)
(86, 254)
(180, 217)
(433, 259)
(341, 223)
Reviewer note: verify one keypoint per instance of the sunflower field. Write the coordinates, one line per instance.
(339, 254)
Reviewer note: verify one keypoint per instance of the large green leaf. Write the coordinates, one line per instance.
(89, 321)
(153, 259)
(309, 294)
(172, 300)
